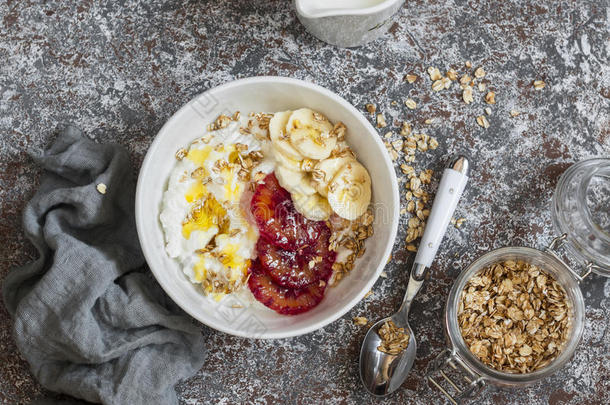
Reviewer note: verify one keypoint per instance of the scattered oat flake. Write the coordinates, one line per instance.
(411, 104)
(467, 95)
(438, 85)
(101, 188)
(479, 73)
(381, 121)
(411, 247)
(368, 294)
(539, 84)
(487, 110)
(405, 130)
(446, 82)
(388, 135)
(406, 169)
(468, 64)
(428, 121)
(415, 183)
(490, 98)
(514, 113)
(371, 108)
(482, 121)
(452, 75)
(360, 320)
(383, 274)
(434, 73)
(482, 86)
(411, 78)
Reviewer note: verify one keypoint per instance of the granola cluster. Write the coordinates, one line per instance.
(393, 339)
(351, 235)
(514, 317)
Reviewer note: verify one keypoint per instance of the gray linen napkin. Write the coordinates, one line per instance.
(89, 325)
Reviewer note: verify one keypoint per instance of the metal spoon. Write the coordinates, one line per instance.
(383, 373)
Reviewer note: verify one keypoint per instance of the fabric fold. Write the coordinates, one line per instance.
(89, 322)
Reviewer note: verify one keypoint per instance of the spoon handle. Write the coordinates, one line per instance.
(448, 194)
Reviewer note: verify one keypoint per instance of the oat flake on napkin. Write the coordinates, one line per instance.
(88, 323)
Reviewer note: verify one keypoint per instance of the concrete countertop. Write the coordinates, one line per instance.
(119, 70)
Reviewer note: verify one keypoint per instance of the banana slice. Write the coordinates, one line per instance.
(282, 160)
(349, 192)
(279, 136)
(310, 133)
(294, 182)
(325, 170)
(314, 206)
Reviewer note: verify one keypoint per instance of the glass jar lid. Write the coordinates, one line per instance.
(581, 213)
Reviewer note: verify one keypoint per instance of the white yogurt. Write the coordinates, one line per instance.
(200, 199)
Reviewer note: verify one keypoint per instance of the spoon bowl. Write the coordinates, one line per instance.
(377, 367)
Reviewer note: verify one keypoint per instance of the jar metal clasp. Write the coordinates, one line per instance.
(462, 379)
(553, 249)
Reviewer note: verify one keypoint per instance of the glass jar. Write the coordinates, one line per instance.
(581, 213)
(581, 219)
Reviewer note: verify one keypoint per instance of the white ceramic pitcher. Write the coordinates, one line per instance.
(347, 23)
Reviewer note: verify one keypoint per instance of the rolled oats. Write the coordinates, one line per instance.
(394, 340)
(482, 121)
(438, 85)
(539, 84)
(467, 95)
(514, 317)
(411, 78)
(405, 130)
(434, 73)
(465, 80)
(490, 98)
(446, 82)
(479, 73)
(360, 320)
(181, 154)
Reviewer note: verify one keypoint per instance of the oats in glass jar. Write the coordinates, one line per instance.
(514, 317)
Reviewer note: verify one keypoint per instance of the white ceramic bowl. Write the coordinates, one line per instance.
(265, 94)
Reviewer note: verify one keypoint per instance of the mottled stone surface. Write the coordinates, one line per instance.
(119, 69)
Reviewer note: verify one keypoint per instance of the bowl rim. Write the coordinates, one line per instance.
(346, 306)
